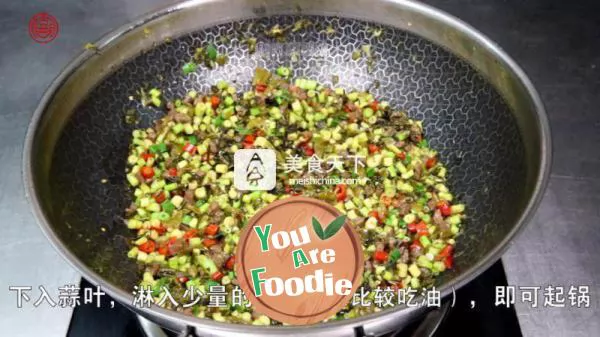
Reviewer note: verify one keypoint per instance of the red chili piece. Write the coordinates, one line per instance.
(214, 101)
(211, 229)
(209, 242)
(147, 247)
(380, 256)
(430, 163)
(189, 148)
(190, 234)
(160, 197)
(341, 192)
(160, 229)
(373, 148)
(376, 215)
(147, 172)
(261, 87)
(217, 276)
(230, 263)
(147, 156)
(444, 208)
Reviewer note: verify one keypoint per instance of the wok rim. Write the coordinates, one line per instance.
(165, 315)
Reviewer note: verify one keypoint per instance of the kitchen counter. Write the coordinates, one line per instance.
(557, 43)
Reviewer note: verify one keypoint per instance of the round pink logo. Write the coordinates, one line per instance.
(43, 27)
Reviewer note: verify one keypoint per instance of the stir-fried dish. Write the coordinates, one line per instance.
(188, 215)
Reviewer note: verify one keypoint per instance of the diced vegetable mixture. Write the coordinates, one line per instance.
(188, 216)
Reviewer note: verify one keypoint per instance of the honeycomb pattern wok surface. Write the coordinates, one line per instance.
(464, 117)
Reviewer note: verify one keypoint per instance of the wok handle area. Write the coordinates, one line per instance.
(188, 332)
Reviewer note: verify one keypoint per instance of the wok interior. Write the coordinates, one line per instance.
(464, 116)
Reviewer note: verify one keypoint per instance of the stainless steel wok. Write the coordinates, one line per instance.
(479, 109)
